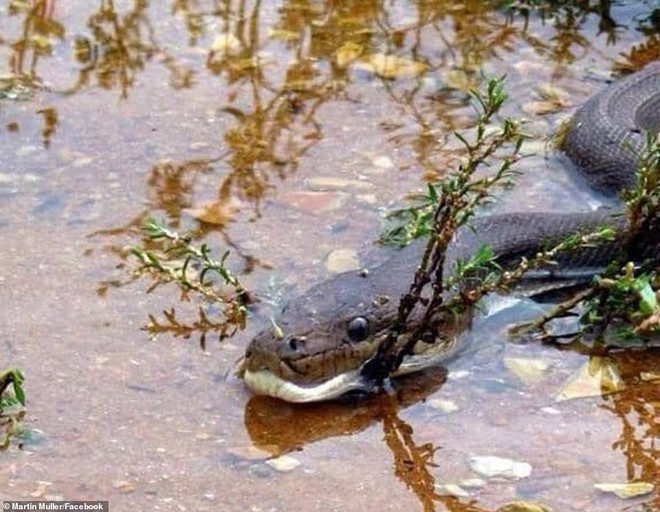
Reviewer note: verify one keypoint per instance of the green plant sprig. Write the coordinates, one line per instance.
(11, 377)
(626, 298)
(182, 247)
(180, 262)
(454, 201)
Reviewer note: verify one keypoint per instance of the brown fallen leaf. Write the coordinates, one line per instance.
(392, 66)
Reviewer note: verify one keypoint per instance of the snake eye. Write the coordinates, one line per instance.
(358, 328)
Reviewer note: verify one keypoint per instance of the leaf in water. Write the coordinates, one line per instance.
(528, 370)
(218, 213)
(626, 491)
(541, 107)
(347, 53)
(392, 67)
(226, 43)
(458, 79)
(597, 377)
(283, 35)
(648, 302)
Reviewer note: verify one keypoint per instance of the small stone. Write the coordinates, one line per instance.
(283, 464)
(42, 486)
(472, 483)
(332, 183)
(649, 376)
(626, 491)
(540, 108)
(342, 260)
(444, 406)
(458, 374)
(123, 486)
(383, 162)
(491, 466)
(529, 371)
(26, 150)
(452, 490)
(5, 178)
(314, 202)
(249, 453)
(82, 162)
(550, 410)
(226, 43)
(523, 506)
(368, 199)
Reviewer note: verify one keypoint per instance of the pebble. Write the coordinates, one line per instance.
(472, 483)
(529, 371)
(314, 202)
(26, 150)
(225, 43)
(31, 178)
(458, 375)
(82, 162)
(342, 260)
(491, 466)
(5, 178)
(627, 490)
(383, 162)
(330, 183)
(248, 453)
(368, 199)
(444, 406)
(123, 486)
(649, 376)
(541, 107)
(283, 464)
(452, 490)
(523, 506)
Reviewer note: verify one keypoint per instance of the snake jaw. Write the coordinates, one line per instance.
(265, 382)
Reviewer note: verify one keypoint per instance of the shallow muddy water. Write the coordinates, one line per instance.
(281, 131)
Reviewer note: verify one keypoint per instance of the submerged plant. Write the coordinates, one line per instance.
(12, 405)
(172, 258)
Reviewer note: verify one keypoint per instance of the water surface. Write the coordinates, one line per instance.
(270, 128)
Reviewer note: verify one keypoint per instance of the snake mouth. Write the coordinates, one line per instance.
(264, 381)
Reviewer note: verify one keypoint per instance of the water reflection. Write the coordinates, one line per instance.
(637, 407)
(280, 428)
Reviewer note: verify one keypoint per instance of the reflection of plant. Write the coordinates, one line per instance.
(638, 408)
(11, 405)
(116, 50)
(412, 465)
(39, 30)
